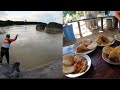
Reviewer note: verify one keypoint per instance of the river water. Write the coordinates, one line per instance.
(32, 48)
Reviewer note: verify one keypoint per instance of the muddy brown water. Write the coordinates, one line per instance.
(32, 48)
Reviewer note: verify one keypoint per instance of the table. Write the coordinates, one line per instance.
(99, 68)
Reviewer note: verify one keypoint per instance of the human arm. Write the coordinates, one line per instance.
(16, 36)
(11, 40)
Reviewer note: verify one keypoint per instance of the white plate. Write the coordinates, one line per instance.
(104, 56)
(106, 44)
(79, 74)
(77, 44)
(116, 38)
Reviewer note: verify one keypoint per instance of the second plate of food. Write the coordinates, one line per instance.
(111, 55)
(103, 40)
(85, 46)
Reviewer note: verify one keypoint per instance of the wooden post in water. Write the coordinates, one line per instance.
(79, 28)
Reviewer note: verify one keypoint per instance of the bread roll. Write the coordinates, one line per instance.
(68, 70)
(93, 45)
(110, 39)
(117, 36)
(81, 48)
(114, 56)
(68, 60)
(107, 50)
(86, 42)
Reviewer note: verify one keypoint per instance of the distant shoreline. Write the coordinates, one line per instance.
(10, 23)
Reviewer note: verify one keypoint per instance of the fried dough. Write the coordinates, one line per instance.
(68, 60)
(93, 45)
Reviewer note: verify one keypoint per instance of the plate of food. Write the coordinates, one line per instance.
(85, 46)
(103, 40)
(117, 37)
(75, 65)
(111, 55)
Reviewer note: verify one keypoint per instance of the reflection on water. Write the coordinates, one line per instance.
(33, 48)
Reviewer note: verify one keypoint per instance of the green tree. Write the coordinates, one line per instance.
(74, 14)
(69, 12)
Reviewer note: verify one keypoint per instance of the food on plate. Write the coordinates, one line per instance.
(107, 50)
(86, 45)
(117, 36)
(67, 70)
(104, 40)
(77, 58)
(68, 60)
(117, 48)
(113, 54)
(110, 39)
(86, 42)
(81, 48)
(93, 45)
(80, 65)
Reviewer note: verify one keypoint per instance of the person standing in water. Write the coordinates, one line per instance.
(5, 47)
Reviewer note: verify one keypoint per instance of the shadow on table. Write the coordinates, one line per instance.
(116, 43)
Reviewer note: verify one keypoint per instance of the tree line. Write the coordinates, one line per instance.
(77, 14)
(9, 22)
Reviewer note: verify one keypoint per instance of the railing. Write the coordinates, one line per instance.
(101, 18)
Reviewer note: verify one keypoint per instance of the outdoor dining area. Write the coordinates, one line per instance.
(93, 56)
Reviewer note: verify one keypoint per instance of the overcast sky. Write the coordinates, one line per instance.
(40, 16)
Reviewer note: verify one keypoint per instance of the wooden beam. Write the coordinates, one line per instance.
(79, 28)
(92, 18)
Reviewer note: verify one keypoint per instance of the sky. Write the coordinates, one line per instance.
(39, 16)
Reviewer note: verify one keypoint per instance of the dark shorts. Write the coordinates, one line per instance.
(4, 51)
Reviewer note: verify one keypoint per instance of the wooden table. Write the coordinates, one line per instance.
(99, 68)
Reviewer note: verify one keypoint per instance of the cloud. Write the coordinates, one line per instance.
(48, 16)
(41, 16)
(3, 13)
(15, 18)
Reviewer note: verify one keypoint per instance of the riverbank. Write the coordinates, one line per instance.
(9, 71)
(50, 70)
